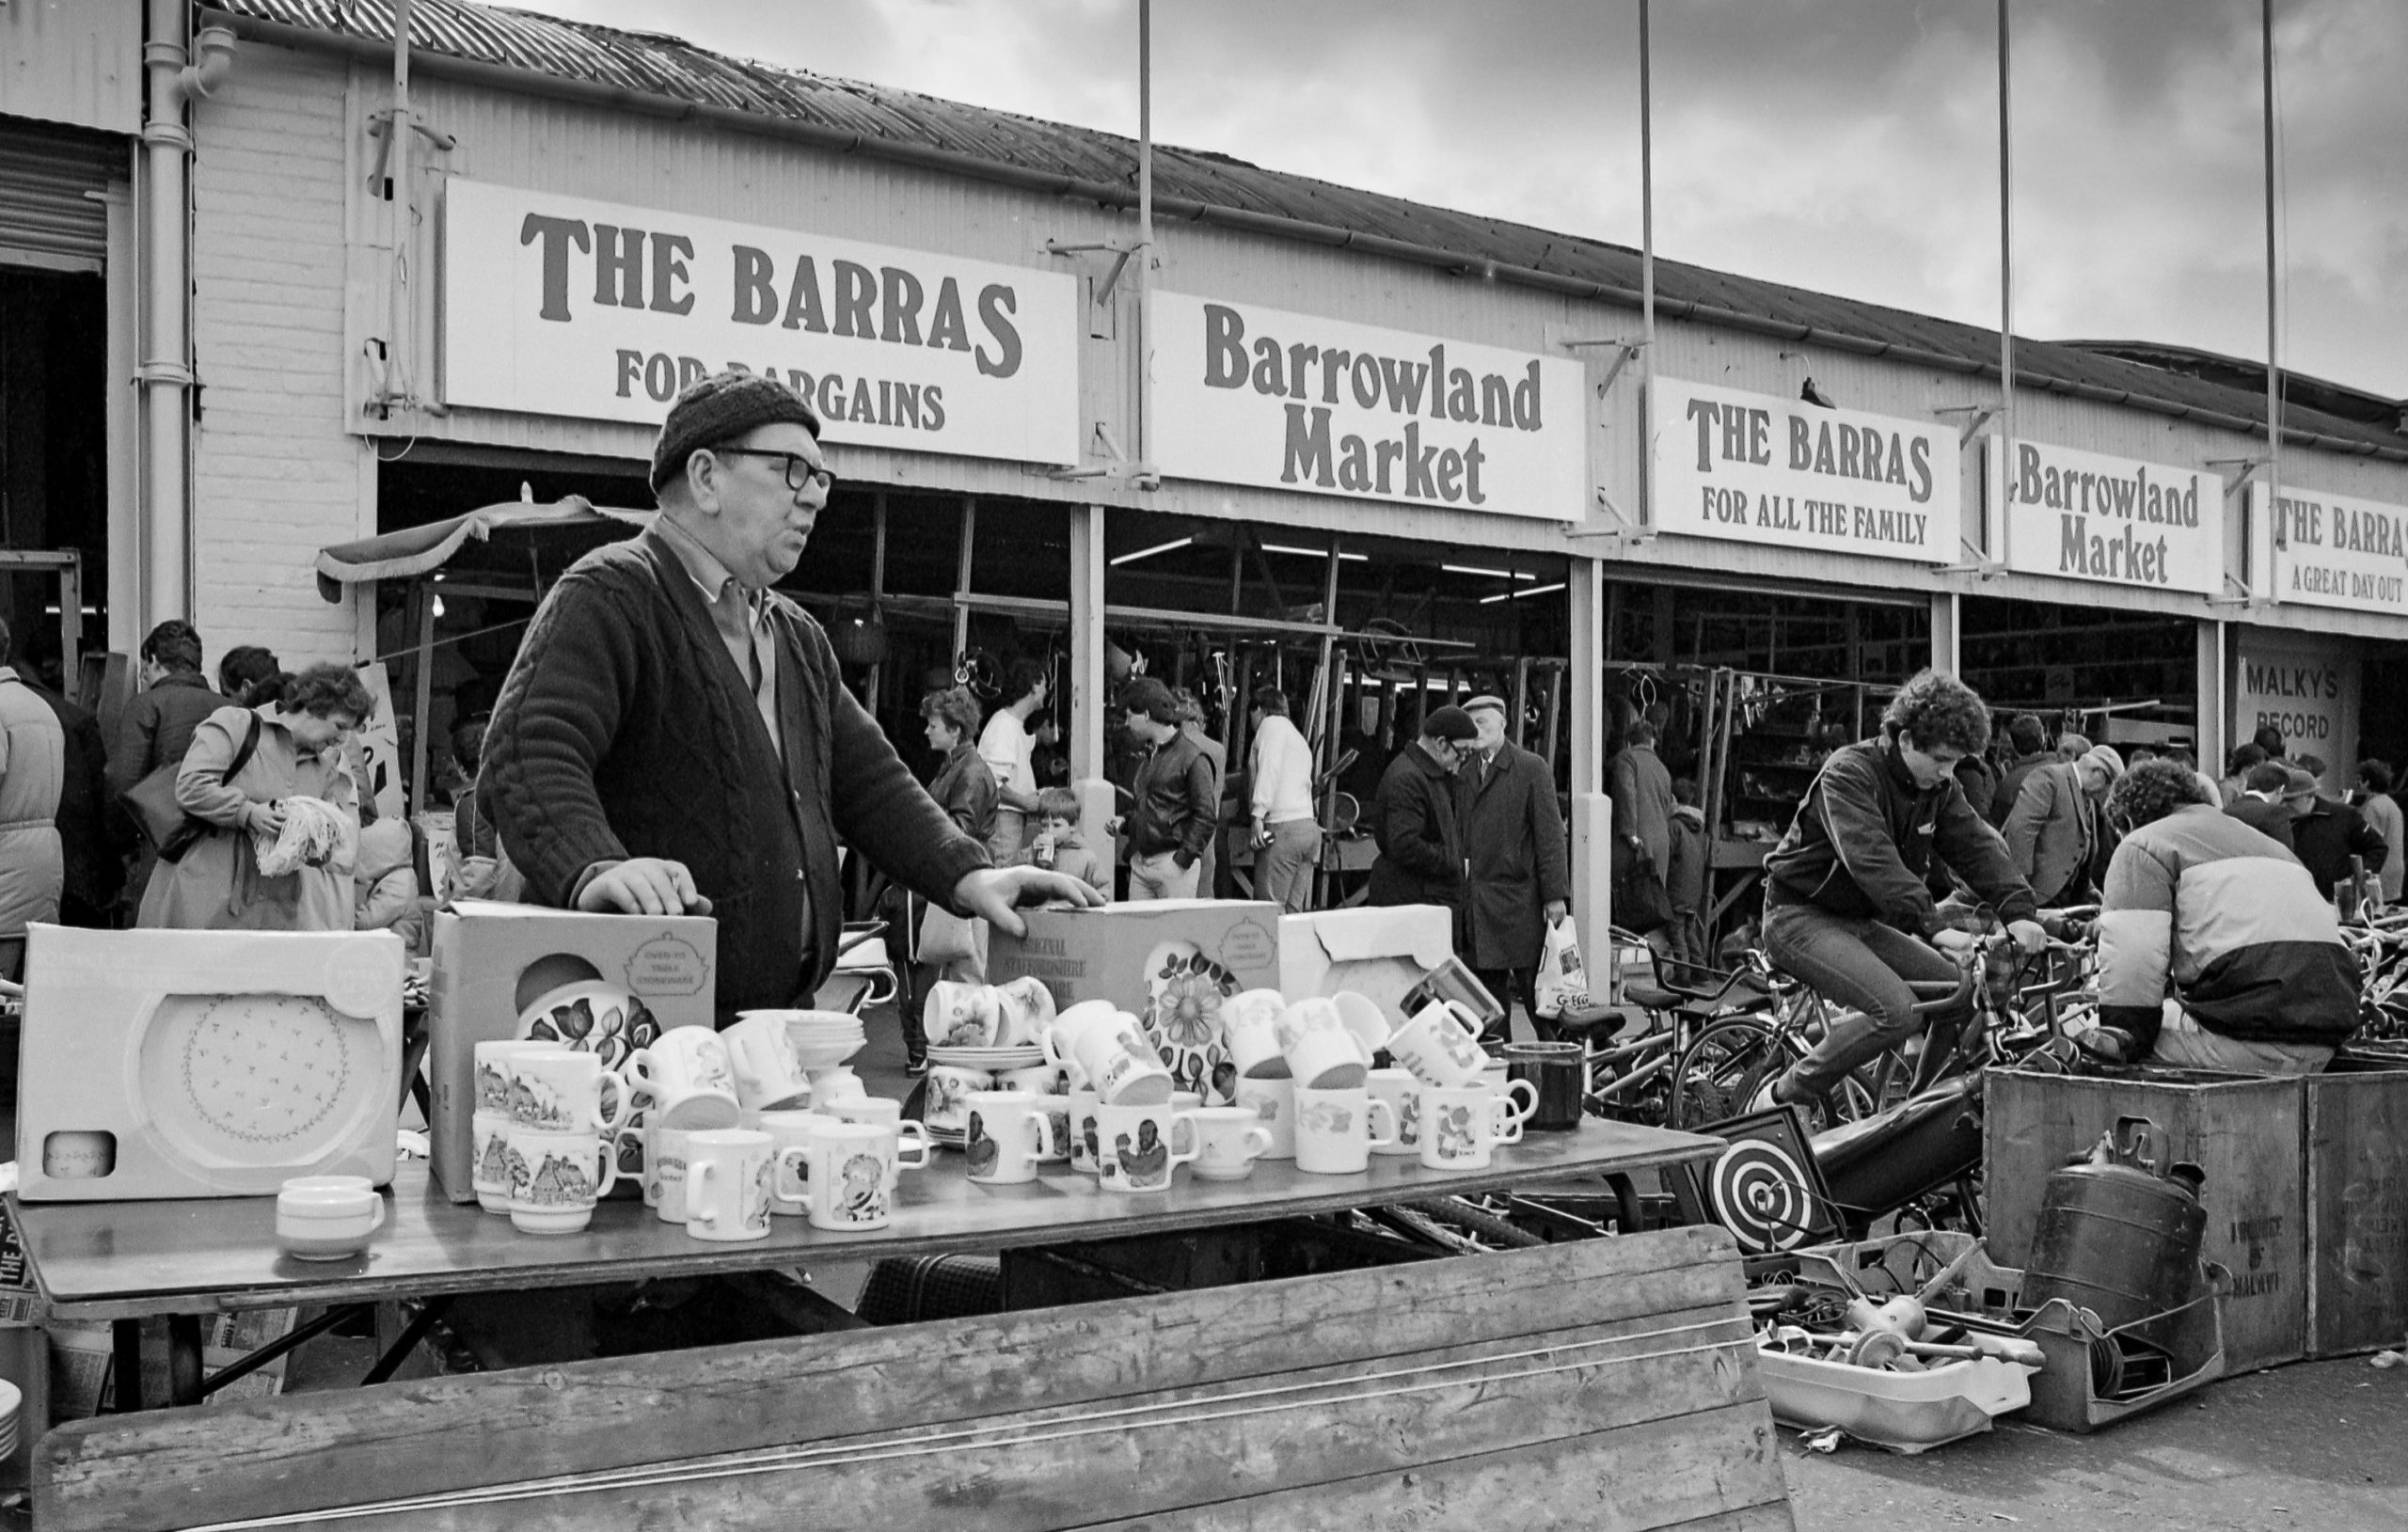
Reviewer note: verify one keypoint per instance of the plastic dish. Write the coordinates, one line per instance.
(1906, 1411)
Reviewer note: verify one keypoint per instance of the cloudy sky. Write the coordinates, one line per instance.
(1848, 145)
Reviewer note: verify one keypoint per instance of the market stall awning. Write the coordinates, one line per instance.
(418, 550)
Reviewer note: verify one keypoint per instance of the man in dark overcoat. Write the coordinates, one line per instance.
(1520, 876)
(1412, 817)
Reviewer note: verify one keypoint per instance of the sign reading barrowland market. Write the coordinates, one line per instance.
(1249, 395)
(2329, 550)
(2116, 520)
(561, 305)
(1784, 473)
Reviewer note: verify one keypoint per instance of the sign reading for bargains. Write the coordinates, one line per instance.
(1758, 469)
(559, 305)
(2329, 550)
(2112, 519)
(1249, 395)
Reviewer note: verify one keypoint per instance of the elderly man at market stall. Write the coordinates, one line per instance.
(2053, 833)
(675, 735)
(1519, 880)
(2216, 951)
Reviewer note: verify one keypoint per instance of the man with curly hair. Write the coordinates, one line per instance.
(1847, 905)
(2216, 951)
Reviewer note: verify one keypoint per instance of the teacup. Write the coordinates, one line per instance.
(1402, 1092)
(489, 1173)
(1462, 1128)
(1124, 1068)
(1024, 1011)
(1229, 1140)
(1335, 1130)
(790, 1131)
(327, 1218)
(664, 1170)
(566, 1092)
(961, 1015)
(1061, 1039)
(1274, 1105)
(1008, 1135)
(1441, 1046)
(910, 1138)
(1083, 1146)
(727, 1184)
(761, 1057)
(850, 1172)
(556, 1177)
(1250, 1031)
(947, 1105)
(1133, 1148)
(684, 1079)
(493, 1069)
(1182, 1132)
(837, 1082)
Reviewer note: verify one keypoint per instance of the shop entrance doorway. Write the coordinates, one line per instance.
(54, 489)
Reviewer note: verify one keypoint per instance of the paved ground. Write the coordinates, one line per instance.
(2318, 1445)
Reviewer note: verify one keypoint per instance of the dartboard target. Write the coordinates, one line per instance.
(1762, 1195)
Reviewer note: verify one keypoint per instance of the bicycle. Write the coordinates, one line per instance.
(1630, 1046)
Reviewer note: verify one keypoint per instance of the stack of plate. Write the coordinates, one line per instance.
(10, 1398)
(823, 1039)
(989, 1059)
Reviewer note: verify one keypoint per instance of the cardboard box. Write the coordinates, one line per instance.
(1378, 953)
(493, 960)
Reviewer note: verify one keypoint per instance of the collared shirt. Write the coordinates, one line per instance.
(741, 616)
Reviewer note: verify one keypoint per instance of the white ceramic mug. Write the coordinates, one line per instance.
(684, 1079)
(664, 1170)
(947, 1105)
(1441, 1046)
(1250, 1031)
(564, 1092)
(1328, 1058)
(1274, 1104)
(961, 1015)
(1056, 1108)
(1133, 1148)
(1520, 1097)
(1462, 1128)
(1124, 1068)
(1036, 1079)
(489, 1172)
(1314, 1013)
(789, 1131)
(1182, 1132)
(1401, 1091)
(556, 1177)
(849, 1171)
(761, 1058)
(727, 1184)
(1008, 1133)
(912, 1146)
(1229, 1140)
(1083, 1146)
(1060, 1041)
(1337, 1129)
(327, 1218)
(1024, 1009)
(492, 1069)
(1363, 1017)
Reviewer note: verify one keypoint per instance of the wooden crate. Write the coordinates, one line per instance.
(2357, 1208)
(2245, 1132)
(1599, 1385)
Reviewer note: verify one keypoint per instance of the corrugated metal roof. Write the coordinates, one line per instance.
(1205, 186)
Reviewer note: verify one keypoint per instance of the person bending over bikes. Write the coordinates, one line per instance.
(1848, 906)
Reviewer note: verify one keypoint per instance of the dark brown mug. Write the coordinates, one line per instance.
(1558, 1072)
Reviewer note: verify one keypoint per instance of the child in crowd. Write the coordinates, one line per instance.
(1058, 845)
(1685, 881)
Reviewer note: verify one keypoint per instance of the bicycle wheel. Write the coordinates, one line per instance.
(1718, 1073)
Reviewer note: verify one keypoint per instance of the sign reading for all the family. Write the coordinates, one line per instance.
(1780, 472)
(1249, 395)
(561, 305)
(2116, 520)
(2329, 550)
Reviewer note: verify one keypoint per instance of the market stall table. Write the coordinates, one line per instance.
(125, 1260)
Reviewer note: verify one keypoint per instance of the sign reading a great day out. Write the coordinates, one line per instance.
(2329, 550)
(1249, 395)
(2118, 521)
(1782, 473)
(561, 305)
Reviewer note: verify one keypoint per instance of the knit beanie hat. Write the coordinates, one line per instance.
(1450, 723)
(1150, 697)
(719, 408)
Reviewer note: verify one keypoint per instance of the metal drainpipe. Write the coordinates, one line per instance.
(165, 376)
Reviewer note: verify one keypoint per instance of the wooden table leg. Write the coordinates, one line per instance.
(183, 1359)
(126, 1336)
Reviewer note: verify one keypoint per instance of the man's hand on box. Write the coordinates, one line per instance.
(991, 892)
(643, 886)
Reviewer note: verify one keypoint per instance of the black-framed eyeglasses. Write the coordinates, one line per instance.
(801, 471)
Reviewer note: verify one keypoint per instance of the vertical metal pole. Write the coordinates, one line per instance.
(876, 590)
(961, 577)
(2274, 286)
(1145, 258)
(423, 701)
(1994, 544)
(1084, 712)
(1646, 277)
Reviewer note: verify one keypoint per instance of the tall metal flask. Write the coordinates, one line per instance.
(2115, 1236)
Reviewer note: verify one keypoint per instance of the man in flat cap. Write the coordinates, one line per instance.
(675, 735)
(1520, 879)
(1412, 817)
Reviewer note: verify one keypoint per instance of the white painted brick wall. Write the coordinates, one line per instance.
(276, 475)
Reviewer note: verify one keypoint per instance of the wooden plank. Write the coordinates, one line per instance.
(270, 1457)
(125, 1259)
(1676, 1472)
(2357, 1212)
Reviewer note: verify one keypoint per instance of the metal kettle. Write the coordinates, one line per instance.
(2114, 1235)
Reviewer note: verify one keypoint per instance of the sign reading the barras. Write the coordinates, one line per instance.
(2329, 550)
(2112, 519)
(1780, 472)
(1249, 395)
(561, 305)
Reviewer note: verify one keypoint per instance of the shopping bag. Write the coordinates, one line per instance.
(946, 936)
(1642, 902)
(1563, 983)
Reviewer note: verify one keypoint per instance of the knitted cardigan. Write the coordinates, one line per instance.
(624, 729)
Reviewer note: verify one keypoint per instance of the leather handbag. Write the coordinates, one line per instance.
(151, 802)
